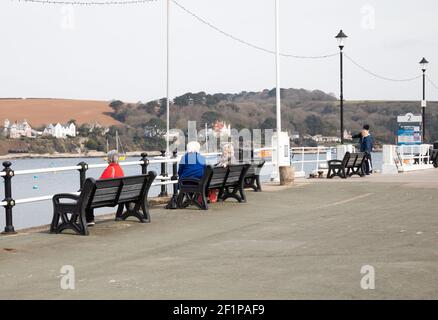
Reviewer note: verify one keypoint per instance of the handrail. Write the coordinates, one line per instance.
(8, 173)
(162, 180)
(414, 153)
(46, 170)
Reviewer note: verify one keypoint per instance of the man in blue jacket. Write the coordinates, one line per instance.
(192, 164)
(366, 145)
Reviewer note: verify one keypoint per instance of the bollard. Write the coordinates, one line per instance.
(287, 175)
(144, 165)
(9, 228)
(163, 192)
(82, 174)
(175, 172)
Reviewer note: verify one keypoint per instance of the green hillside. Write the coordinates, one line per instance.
(303, 111)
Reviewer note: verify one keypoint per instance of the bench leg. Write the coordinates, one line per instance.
(119, 213)
(133, 210)
(258, 184)
(233, 194)
(329, 176)
(220, 195)
(343, 173)
(250, 183)
(55, 220)
(75, 222)
(204, 204)
(180, 199)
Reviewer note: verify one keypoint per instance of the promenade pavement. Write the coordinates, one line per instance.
(308, 241)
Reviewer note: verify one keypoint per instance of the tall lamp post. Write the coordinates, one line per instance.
(167, 76)
(423, 64)
(341, 37)
(277, 85)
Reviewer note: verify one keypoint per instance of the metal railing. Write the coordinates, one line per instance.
(323, 154)
(163, 180)
(414, 155)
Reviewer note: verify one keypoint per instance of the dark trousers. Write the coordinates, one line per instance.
(89, 214)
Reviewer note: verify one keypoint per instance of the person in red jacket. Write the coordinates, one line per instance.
(114, 170)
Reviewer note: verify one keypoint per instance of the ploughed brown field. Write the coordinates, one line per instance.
(40, 112)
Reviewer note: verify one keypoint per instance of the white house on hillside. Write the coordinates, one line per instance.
(60, 131)
(17, 129)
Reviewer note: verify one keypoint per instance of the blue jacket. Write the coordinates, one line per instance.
(192, 165)
(366, 144)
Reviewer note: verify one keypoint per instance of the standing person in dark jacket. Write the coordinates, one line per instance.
(366, 145)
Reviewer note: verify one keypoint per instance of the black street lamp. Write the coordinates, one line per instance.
(341, 37)
(423, 64)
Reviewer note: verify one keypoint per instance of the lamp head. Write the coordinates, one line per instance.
(423, 64)
(341, 37)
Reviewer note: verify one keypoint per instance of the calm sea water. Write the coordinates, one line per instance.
(34, 185)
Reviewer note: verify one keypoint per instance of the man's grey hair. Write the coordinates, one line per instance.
(193, 146)
(113, 156)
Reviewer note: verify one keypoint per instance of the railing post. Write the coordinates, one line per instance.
(252, 148)
(144, 165)
(175, 172)
(163, 192)
(10, 203)
(82, 174)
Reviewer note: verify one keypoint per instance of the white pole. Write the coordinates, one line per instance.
(167, 78)
(277, 64)
(206, 137)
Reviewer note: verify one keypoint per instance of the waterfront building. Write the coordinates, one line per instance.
(60, 131)
(16, 129)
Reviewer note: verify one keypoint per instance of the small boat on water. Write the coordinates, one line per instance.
(122, 153)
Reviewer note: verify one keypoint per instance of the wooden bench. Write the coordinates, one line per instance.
(69, 211)
(358, 166)
(229, 181)
(252, 177)
(351, 164)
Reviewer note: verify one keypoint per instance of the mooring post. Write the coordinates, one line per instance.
(163, 192)
(10, 203)
(175, 172)
(144, 165)
(82, 173)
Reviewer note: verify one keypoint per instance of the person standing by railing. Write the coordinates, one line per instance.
(366, 145)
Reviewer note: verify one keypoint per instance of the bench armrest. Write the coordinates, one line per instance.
(60, 196)
(334, 162)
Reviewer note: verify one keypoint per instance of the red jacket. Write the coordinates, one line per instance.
(112, 171)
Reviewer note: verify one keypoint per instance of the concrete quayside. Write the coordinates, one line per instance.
(308, 241)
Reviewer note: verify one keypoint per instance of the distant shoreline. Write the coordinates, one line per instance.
(92, 154)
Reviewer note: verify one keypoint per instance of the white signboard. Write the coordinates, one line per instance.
(409, 129)
(409, 117)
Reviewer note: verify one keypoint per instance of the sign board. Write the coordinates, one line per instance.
(409, 129)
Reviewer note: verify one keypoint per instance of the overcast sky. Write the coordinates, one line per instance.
(119, 51)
